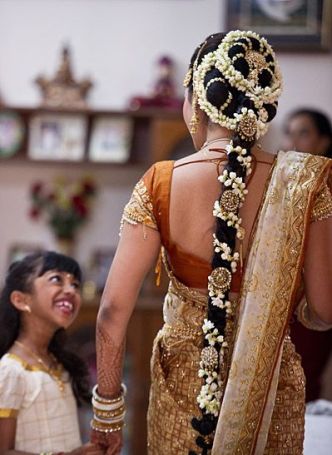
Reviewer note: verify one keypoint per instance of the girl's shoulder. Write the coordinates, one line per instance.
(13, 381)
(14, 363)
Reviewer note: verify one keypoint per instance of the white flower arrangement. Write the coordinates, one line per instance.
(209, 397)
(259, 95)
(225, 250)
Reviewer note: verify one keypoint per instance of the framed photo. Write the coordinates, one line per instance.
(57, 137)
(11, 133)
(111, 139)
(101, 262)
(18, 251)
(290, 25)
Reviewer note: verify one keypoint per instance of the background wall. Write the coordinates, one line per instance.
(117, 43)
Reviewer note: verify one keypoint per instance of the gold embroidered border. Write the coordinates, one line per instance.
(139, 208)
(261, 333)
(299, 204)
(323, 205)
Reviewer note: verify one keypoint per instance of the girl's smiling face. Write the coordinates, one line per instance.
(55, 298)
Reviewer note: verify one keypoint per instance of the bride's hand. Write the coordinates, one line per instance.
(111, 442)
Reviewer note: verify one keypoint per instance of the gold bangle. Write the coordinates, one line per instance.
(107, 406)
(106, 428)
(117, 412)
(103, 400)
(107, 424)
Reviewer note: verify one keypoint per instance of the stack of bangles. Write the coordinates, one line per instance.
(108, 413)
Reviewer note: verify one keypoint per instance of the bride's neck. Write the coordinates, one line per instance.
(218, 132)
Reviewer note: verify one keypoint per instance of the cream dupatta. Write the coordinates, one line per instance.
(267, 300)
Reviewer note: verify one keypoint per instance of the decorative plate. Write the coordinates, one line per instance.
(11, 133)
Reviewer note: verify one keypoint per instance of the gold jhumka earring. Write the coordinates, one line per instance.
(193, 124)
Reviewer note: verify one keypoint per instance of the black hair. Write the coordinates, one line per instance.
(217, 92)
(20, 277)
(321, 122)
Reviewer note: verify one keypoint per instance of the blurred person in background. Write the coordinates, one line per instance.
(309, 131)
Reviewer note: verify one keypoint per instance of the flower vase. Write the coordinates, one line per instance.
(65, 246)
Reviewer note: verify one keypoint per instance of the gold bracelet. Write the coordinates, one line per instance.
(108, 424)
(115, 413)
(103, 400)
(109, 428)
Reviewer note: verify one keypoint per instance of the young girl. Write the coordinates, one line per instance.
(39, 378)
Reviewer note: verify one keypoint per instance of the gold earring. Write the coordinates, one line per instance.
(27, 309)
(193, 124)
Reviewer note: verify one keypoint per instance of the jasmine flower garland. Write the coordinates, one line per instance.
(219, 283)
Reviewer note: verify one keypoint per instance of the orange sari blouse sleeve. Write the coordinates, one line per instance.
(139, 209)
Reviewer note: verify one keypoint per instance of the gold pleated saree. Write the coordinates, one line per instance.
(262, 410)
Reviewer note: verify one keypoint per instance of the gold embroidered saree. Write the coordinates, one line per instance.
(263, 405)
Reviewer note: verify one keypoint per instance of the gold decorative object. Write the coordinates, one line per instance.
(209, 357)
(257, 63)
(193, 124)
(63, 91)
(229, 201)
(241, 233)
(247, 127)
(221, 279)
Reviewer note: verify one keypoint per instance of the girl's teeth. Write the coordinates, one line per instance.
(66, 305)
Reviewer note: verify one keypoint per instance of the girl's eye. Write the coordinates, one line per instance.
(55, 278)
(76, 285)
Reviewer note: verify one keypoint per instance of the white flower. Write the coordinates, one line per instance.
(207, 326)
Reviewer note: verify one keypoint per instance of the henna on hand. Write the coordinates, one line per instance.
(109, 363)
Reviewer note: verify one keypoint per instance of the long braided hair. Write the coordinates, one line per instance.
(235, 80)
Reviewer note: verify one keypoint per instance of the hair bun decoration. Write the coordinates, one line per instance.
(248, 65)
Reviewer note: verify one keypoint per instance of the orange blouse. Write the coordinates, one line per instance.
(188, 268)
(149, 205)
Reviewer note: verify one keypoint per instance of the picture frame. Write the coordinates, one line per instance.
(54, 136)
(295, 25)
(111, 139)
(101, 261)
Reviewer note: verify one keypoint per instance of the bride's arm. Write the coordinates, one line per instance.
(318, 271)
(136, 254)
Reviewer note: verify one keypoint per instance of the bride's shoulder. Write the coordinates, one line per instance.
(264, 156)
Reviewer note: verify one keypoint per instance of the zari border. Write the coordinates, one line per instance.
(241, 418)
(139, 209)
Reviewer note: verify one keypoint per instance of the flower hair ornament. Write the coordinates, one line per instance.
(247, 64)
(250, 83)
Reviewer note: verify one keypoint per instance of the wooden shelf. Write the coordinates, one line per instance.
(156, 133)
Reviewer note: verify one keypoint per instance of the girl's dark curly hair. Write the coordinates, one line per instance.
(20, 277)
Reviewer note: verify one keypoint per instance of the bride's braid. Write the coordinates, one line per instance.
(236, 81)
